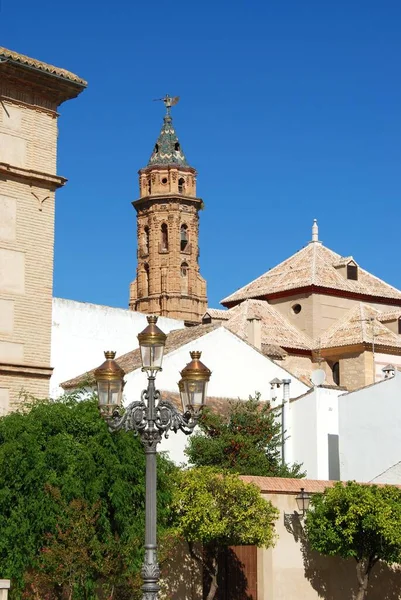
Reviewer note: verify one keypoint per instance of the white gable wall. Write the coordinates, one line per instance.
(370, 425)
(238, 371)
(313, 418)
(82, 331)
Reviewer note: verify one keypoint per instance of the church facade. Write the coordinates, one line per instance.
(325, 312)
(168, 282)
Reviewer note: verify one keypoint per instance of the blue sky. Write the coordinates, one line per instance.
(290, 110)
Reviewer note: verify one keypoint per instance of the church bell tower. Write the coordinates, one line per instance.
(168, 282)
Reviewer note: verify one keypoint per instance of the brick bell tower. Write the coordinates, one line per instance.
(168, 282)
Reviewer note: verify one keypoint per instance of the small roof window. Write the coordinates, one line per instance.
(352, 271)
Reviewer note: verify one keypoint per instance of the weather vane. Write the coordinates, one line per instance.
(168, 102)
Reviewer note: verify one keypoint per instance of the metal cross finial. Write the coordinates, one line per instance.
(168, 102)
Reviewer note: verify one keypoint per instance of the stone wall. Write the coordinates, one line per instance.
(356, 370)
(28, 180)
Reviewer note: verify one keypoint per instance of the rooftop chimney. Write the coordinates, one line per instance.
(388, 371)
(255, 332)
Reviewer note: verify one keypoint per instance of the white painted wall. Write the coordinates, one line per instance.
(312, 418)
(82, 331)
(238, 371)
(391, 476)
(370, 425)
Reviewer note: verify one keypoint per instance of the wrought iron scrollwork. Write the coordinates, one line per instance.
(151, 428)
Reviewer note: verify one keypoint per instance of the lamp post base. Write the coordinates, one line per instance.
(150, 574)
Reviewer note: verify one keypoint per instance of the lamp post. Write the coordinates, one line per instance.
(151, 418)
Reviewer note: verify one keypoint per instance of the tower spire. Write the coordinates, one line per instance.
(167, 150)
(315, 231)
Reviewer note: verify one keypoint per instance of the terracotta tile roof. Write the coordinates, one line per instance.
(284, 485)
(132, 360)
(216, 404)
(41, 66)
(360, 325)
(276, 331)
(313, 265)
(391, 315)
(217, 313)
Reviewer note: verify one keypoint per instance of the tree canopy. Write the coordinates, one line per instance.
(219, 509)
(70, 488)
(357, 521)
(247, 440)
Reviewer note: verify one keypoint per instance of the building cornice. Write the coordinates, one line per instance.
(166, 197)
(34, 177)
(342, 351)
(32, 106)
(314, 289)
(26, 370)
(172, 167)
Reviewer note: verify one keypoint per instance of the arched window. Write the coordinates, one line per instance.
(336, 373)
(181, 185)
(146, 239)
(184, 236)
(156, 150)
(149, 185)
(177, 146)
(184, 278)
(146, 279)
(164, 229)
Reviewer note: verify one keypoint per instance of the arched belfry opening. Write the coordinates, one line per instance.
(146, 279)
(184, 277)
(168, 281)
(181, 185)
(184, 240)
(164, 237)
(146, 240)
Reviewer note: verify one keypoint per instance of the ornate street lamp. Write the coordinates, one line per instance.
(193, 385)
(303, 501)
(151, 418)
(110, 382)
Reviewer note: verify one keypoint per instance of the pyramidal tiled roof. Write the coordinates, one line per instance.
(360, 325)
(167, 150)
(313, 265)
(276, 330)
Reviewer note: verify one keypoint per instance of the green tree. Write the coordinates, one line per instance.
(247, 440)
(60, 466)
(218, 509)
(357, 521)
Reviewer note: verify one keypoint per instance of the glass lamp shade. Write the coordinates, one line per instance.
(151, 342)
(110, 382)
(303, 501)
(193, 385)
